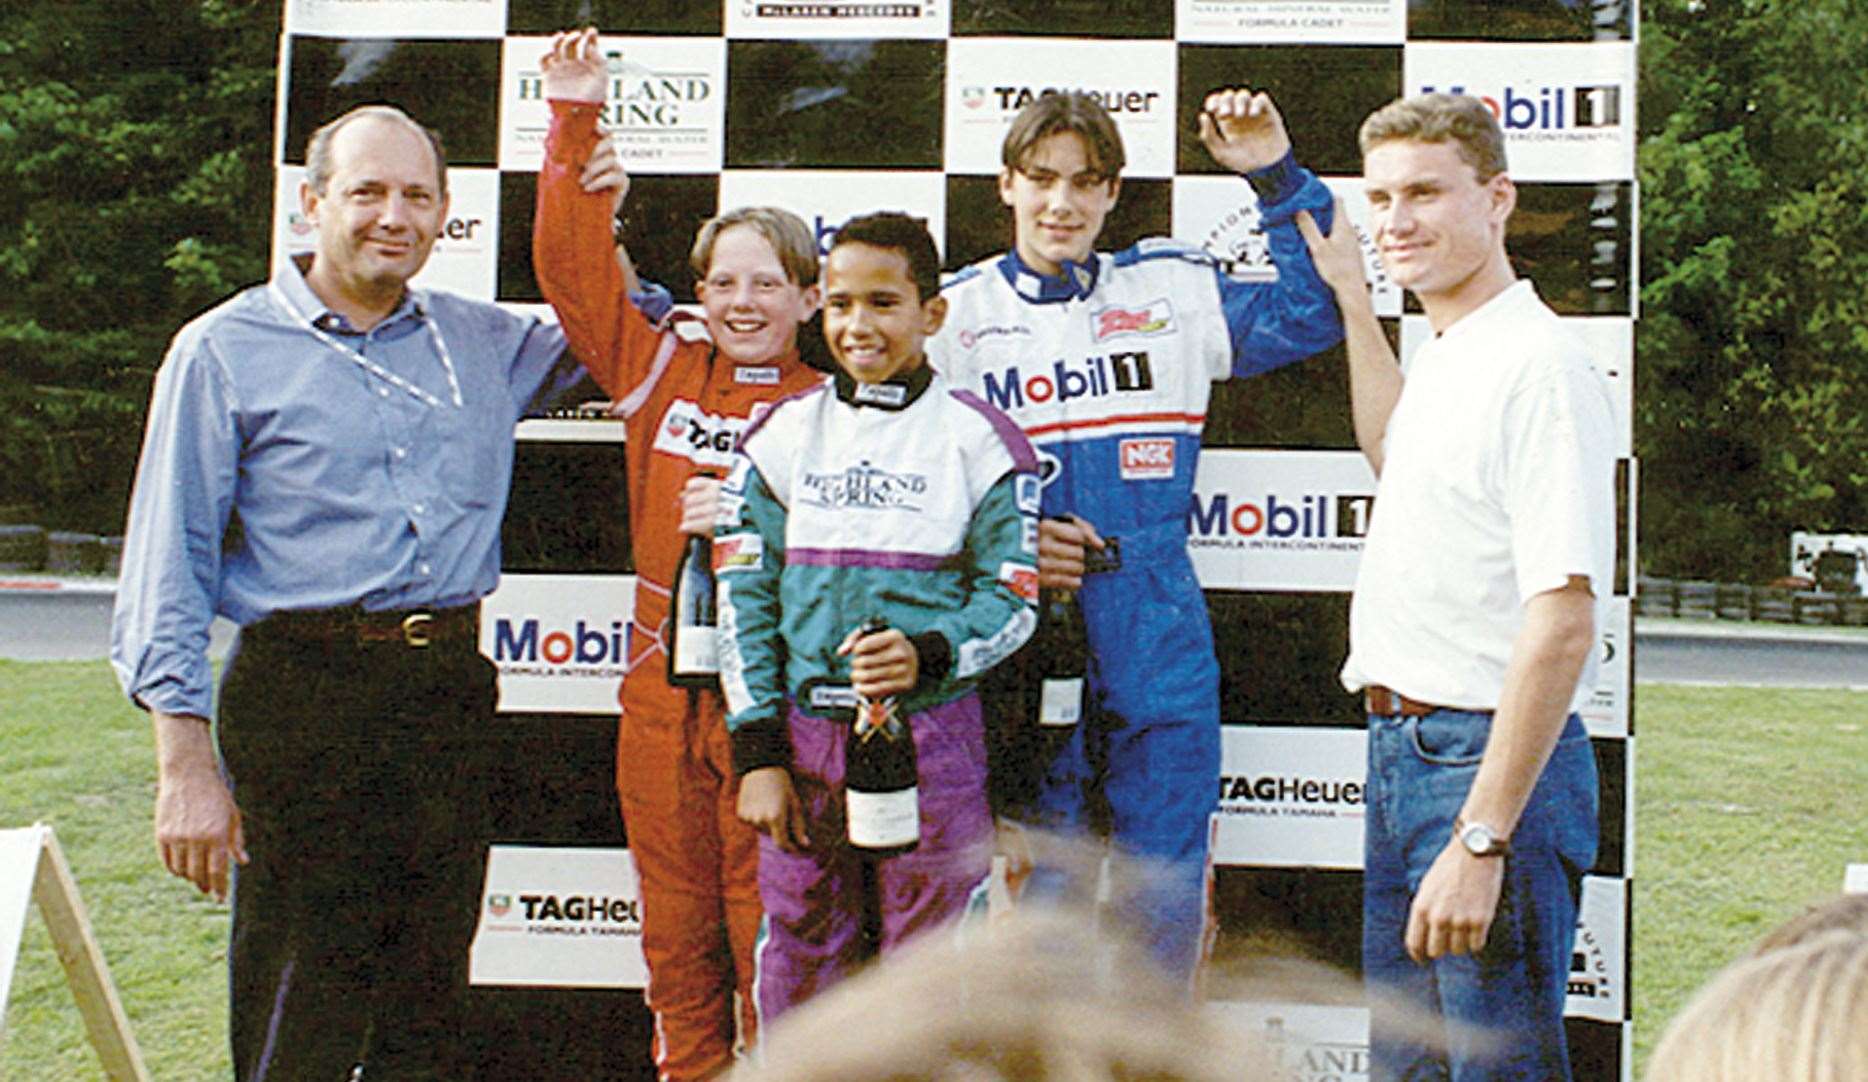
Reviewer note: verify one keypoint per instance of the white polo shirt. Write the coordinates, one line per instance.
(1497, 484)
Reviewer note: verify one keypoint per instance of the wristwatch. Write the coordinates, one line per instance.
(1479, 839)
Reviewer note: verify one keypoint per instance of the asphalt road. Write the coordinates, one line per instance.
(43, 621)
(1719, 653)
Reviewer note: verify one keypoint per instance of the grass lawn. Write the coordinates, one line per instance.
(74, 754)
(1747, 808)
(1747, 805)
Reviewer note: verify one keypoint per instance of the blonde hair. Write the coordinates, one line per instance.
(789, 237)
(1844, 911)
(1794, 1014)
(1033, 997)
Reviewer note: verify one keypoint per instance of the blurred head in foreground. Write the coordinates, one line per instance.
(1033, 997)
(1844, 912)
(1795, 1013)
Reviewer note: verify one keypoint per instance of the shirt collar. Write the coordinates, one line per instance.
(290, 278)
(894, 393)
(1076, 282)
(1500, 307)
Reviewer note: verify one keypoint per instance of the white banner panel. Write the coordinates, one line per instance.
(1280, 520)
(1599, 962)
(396, 18)
(837, 19)
(1291, 797)
(1382, 290)
(1220, 214)
(19, 866)
(1606, 712)
(465, 256)
(665, 107)
(1567, 107)
(569, 918)
(1263, 22)
(1308, 1042)
(990, 79)
(826, 199)
(559, 641)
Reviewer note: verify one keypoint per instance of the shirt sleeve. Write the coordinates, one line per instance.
(1559, 482)
(1000, 611)
(749, 559)
(575, 259)
(184, 493)
(1276, 323)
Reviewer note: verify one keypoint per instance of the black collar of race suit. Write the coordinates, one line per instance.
(894, 393)
(1076, 281)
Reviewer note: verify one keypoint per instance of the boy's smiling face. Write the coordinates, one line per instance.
(874, 318)
(752, 306)
(1059, 201)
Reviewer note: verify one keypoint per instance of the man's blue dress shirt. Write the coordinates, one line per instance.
(279, 471)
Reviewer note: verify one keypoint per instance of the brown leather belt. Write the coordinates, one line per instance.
(1384, 703)
(411, 628)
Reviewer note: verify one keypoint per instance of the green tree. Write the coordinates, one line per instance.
(136, 139)
(1752, 411)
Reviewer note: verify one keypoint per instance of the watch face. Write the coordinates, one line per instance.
(1478, 839)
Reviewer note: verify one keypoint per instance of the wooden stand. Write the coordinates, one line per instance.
(32, 858)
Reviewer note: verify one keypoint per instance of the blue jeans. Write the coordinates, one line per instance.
(1504, 1006)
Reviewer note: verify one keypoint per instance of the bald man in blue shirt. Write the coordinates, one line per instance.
(326, 464)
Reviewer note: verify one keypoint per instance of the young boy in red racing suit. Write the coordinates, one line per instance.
(685, 401)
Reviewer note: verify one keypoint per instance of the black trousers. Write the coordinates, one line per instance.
(362, 775)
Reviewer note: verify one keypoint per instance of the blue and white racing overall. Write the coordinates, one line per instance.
(1108, 368)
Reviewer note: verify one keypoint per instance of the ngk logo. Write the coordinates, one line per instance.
(1147, 459)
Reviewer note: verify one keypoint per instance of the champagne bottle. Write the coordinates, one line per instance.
(692, 656)
(1064, 653)
(881, 793)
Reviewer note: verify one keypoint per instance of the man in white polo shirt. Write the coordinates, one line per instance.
(1473, 626)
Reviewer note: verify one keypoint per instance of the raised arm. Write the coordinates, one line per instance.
(580, 184)
(1243, 130)
(1271, 324)
(1374, 376)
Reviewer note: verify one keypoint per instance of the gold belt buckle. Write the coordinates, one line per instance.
(416, 627)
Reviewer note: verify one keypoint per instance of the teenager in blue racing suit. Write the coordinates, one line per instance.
(1106, 361)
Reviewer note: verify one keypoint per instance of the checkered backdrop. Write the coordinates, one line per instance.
(833, 107)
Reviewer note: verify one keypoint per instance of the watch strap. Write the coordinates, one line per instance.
(1500, 844)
